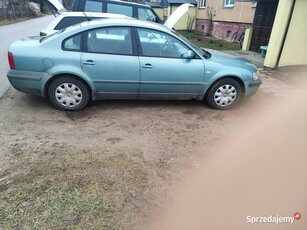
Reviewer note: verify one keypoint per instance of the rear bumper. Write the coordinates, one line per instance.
(28, 81)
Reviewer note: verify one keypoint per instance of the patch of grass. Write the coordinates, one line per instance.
(201, 40)
(75, 189)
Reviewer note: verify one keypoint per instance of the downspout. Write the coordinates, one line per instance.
(286, 33)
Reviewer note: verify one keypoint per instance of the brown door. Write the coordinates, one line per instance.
(263, 23)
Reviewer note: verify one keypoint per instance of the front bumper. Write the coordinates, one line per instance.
(252, 87)
(28, 81)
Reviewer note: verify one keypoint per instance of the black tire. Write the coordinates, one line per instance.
(73, 92)
(232, 95)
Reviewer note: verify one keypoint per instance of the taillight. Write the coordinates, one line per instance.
(11, 60)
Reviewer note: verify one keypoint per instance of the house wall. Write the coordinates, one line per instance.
(222, 30)
(295, 47)
(226, 21)
(242, 12)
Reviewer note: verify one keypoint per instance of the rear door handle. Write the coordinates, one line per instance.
(89, 62)
(147, 66)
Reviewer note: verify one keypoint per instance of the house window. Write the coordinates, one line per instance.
(229, 3)
(202, 3)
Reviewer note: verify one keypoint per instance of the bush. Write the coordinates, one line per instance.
(35, 9)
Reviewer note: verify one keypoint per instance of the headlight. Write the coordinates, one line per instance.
(256, 75)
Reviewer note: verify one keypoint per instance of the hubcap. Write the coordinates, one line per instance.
(225, 95)
(68, 95)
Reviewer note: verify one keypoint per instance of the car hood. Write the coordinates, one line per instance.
(178, 13)
(56, 7)
(231, 60)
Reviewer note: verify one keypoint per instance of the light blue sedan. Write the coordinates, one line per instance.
(126, 59)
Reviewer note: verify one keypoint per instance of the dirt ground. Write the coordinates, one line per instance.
(111, 165)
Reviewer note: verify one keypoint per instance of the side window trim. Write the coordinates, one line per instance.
(137, 41)
(135, 12)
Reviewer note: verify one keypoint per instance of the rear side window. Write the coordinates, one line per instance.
(93, 6)
(69, 21)
(119, 9)
(146, 15)
(73, 43)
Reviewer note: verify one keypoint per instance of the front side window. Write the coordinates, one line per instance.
(202, 3)
(146, 15)
(93, 6)
(111, 40)
(119, 9)
(229, 3)
(159, 44)
(73, 43)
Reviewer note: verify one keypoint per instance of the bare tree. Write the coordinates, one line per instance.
(211, 14)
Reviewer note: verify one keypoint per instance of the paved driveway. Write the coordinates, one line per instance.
(13, 32)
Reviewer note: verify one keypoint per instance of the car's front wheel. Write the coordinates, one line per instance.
(224, 94)
(68, 93)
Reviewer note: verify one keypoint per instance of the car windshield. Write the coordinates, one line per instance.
(201, 51)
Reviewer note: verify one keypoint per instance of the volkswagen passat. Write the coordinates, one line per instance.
(126, 59)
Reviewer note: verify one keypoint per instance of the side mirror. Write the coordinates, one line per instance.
(188, 55)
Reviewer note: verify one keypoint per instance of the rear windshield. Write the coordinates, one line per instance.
(69, 21)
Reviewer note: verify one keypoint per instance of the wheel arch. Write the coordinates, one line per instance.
(87, 84)
(236, 78)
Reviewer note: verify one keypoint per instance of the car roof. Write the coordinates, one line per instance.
(57, 7)
(92, 14)
(126, 3)
(114, 22)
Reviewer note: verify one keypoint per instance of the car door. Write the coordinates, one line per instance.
(165, 70)
(110, 61)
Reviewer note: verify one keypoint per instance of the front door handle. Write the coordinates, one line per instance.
(147, 66)
(89, 62)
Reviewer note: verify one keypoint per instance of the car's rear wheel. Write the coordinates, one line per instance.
(68, 93)
(224, 94)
